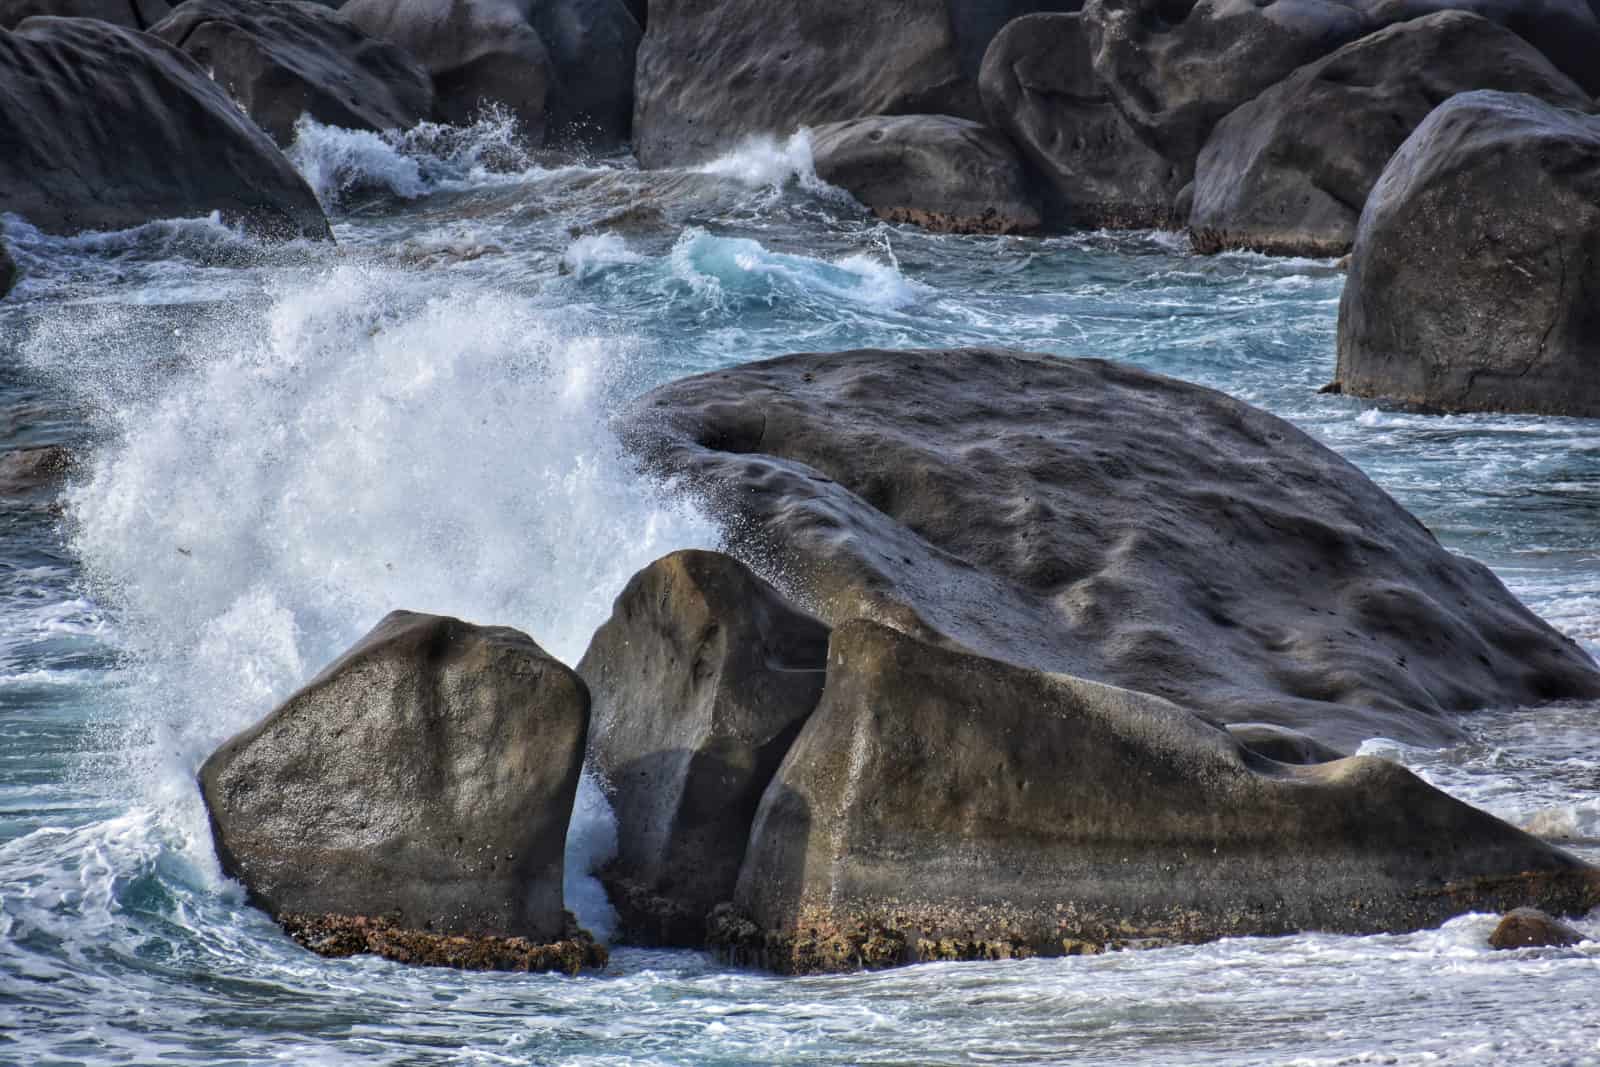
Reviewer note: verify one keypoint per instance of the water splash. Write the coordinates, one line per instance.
(764, 161)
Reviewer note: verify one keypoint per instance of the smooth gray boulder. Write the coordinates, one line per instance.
(283, 58)
(105, 128)
(1176, 67)
(939, 805)
(1090, 518)
(1039, 86)
(1289, 172)
(425, 778)
(564, 68)
(1472, 284)
(711, 74)
(701, 679)
(132, 14)
(943, 173)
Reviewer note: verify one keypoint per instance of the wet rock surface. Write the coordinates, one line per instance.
(106, 129)
(341, 936)
(1532, 928)
(1290, 171)
(701, 679)
(1472, 281)
(945, 174)
(30, 472)
(132, 14)
(10, 273)
(939, 805)
(1090, 518)
(1038, 86)
(426, 777)
(283, 58)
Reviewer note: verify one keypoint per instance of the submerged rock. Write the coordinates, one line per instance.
(105, 129)
(1039, 86)
(425, 778)
(132, 14)
(565, 68)
(283, 58)
(939, 805)
(942, 173)
(1476, 262)
(713, 74)
(1090, 518)
(29, 471)
(701, 678)
(1289, 172)
(340, 936)
(1532, 928)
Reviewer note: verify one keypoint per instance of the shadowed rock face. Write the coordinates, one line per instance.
(943, 806)
(282, 58)
(1176, 67)
(1289, 172)
(1477, 260)
(701, 678)
(425, 778)
(712, 74)
(565, 68)
(132, 14)
(942, 173)
(105, 128)
(1089, 518)
(8, 270)
(1039, 86)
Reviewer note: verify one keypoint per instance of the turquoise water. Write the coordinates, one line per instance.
(277, 446)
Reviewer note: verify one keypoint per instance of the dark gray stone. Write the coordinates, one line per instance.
(1039, 86)
(1282, 745)
(426, 778)
(1472, 284)
(8, 270)
(1176, 67)
(1532, 928)
(132, 14)
(105, 128)
(701, 678)
(713, 73)
(939, 172)
(944, 806)
(1289, 172)
(1090, 518)
(283, 58)
(563, 67)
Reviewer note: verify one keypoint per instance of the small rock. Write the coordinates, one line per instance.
(1532, 928)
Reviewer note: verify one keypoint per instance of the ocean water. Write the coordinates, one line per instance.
(277, 445)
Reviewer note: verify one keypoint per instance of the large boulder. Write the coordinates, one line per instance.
(1289, 172)
(425, 778)
(1477, 260)
(939, 805)
(1090, 518)
(714, 73)
(1176, 67)
(133, 14)
(701, 679)
(564, 68)
(1039, 86)
(943, 173)
(105, 128)
(281, 59)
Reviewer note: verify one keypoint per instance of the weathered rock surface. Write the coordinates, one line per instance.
(1176, 67)
(565, 68)
(1038, 85)
(701, 679)
(29, 472)
(105, 128)
(425, 778)
(133, 14)
(1472, 284)
(942, 806)
(341, 936)
(943, 173)
(712, 74)
(9, 273)
(1090, 518)
(1532, 928)
(1289, 172)
(1281, 744)
(283, 58)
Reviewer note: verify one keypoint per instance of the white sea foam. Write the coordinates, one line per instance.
(726, 271)
(593, 253)
(763, 161)
(361, 443)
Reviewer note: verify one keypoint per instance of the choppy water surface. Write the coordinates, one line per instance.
(280, 445)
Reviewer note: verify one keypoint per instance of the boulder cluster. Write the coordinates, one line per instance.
(1066, 657)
